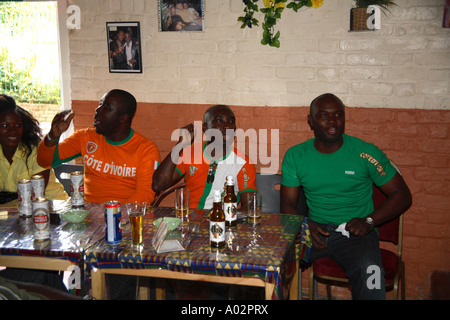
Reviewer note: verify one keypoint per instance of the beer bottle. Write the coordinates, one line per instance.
(230, 203)
(217, 222)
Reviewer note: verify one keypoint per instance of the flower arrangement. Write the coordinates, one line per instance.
(272, 10)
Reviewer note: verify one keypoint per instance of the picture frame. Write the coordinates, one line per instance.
(124, 47)
(446, 19)
(181, 15)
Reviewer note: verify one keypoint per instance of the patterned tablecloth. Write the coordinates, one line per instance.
(268, 250)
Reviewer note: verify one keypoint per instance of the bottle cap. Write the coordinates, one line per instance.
(217, 196)
(230, 181)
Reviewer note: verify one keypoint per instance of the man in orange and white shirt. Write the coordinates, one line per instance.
(205, 166)
(118, 162)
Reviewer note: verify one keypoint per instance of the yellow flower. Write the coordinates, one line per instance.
(316, 3)
(269, 3)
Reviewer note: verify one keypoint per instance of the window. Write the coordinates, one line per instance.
(30, 58)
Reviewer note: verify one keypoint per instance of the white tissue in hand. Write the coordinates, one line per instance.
(342, 230)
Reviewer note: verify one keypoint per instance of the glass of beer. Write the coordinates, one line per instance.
(254, 208)
(136, 212)
(182, 204)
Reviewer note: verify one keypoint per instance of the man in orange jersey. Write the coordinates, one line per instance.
(118, 162)
(205, 165)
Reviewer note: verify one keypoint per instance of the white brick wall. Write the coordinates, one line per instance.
(406, 64)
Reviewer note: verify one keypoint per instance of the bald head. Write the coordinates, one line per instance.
(324, 99)
(209, 114)
(327, 120)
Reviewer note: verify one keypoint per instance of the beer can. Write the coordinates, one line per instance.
(77, 189)
(38, 187)
(24, 190)
(41, 219)
(113, 221)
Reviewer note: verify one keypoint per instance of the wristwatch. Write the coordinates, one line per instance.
(369, 220)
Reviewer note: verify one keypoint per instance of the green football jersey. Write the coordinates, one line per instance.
(338, 186)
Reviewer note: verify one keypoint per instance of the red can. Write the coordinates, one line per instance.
(113, 220)
(77, 189)
(41, 219)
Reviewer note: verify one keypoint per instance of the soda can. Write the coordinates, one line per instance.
(24, 190)
(77, 189)
(38, 187)
(113, 221)
(41, 219)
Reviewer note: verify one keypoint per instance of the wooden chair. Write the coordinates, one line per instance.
(328, 271)
(163, 194)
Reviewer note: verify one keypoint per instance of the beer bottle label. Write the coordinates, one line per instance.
(230, 210)
(217, 231)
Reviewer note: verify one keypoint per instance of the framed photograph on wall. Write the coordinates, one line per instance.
(446, 21)
(181, 15)
(124, 47)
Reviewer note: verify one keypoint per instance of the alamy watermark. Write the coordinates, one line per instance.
(74, 279)
(374, 20)
(74, 19)
(374, 280)
(258, 145)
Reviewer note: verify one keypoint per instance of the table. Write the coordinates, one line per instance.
(64, 250)
(263, 256)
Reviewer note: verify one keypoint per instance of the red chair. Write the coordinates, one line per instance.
(328, 271)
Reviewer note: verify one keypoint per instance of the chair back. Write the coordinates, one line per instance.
(63, 171)
(391, 231)
(163, 194)
(269, 187)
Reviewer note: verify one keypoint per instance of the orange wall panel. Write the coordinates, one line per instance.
(416, 140)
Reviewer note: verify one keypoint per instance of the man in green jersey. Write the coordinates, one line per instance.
(337, 172)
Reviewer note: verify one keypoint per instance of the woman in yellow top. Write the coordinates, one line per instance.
(20, 135)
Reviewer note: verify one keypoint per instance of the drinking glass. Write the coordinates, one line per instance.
(136, 212)
(254, 208)
(182, 204)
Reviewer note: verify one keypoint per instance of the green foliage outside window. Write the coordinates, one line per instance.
(29, 59)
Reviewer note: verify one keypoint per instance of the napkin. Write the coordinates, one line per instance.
(160, 243)
(169, 246)
(342, 230)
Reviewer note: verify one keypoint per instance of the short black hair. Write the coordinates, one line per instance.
(128, 100)
(324, 96)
